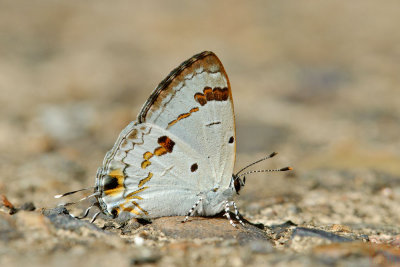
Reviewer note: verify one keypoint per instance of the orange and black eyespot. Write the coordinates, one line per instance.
(194, 167)
(113, 182)
(231, 139)
(166, 143)
(110, 183)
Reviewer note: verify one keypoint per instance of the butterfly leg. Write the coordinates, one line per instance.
(237, 213)
(227, 214)
(95, 217)
(191, 211)
(86, 213)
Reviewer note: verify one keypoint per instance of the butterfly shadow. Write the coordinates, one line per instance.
(233, 216)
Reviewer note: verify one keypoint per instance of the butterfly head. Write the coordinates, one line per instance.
(238, 183)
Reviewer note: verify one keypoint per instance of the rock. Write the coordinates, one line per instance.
(131, 225)
(302, 231)
(61, 219)
(340, 228)
(379, 254)
(28, 206)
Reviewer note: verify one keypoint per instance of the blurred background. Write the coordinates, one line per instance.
(316, 81)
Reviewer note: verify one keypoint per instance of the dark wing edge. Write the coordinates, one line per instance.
(167, 81)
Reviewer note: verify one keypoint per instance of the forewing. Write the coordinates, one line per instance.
(195, 104)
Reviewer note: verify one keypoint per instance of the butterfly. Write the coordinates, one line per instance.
(178, 157)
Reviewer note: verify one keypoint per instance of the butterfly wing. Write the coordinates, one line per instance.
(195, 103)
(182, 144)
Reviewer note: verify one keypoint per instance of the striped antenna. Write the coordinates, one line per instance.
(274, 170)
(273, 154)
(72, 203)
(73, 192)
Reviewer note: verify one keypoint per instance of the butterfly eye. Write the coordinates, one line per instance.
(237, 184)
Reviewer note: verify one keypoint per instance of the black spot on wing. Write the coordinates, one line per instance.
(194, 167)
(213, 123)
(110, 183)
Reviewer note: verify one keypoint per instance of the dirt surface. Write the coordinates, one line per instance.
(317, 81)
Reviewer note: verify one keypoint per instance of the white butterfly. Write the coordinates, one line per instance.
(178, 157)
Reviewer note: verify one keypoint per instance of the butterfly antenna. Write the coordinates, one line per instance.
(273, 154)
(72, 203)
(274, 170)
(73, 192)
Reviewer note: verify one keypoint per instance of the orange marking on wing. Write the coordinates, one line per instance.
(182, 116)
(159, 151)
(218, 95)
(208, 92)
(134, 193)
(135, 197)
(128, 209)
(117, 173)
(134, 211)
(145, 180)
(200, 98)
(225, 94)
(114, 192)
(194, 110)
(147, 155)
(145, 164)
(166, 143)
(172, 123)
(137, 205)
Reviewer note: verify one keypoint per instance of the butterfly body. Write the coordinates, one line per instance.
(179, 152)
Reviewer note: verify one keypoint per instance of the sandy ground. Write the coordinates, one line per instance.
(317, 81)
